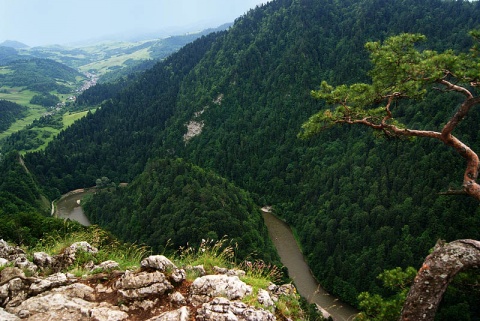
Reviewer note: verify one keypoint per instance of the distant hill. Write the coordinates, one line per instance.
(39, 75)
(114, 59)
(8, 54)
(13, 44)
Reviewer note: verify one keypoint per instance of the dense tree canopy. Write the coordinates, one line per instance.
(174, 203)
(400, 71)
(10, 112)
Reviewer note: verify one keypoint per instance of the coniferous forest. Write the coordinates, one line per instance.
(359, 204)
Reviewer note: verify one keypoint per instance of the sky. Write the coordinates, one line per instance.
(49, 22)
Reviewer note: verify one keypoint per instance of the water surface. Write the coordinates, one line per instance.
(69, 206)
(292, 257)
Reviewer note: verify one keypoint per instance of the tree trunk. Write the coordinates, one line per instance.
(437, 271)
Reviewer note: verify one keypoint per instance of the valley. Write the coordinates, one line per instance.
(246, 116)
(69, 206)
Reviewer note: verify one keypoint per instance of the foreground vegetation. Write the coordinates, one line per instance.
(210, 254)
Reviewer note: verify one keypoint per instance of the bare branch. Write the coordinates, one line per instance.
(450, 86)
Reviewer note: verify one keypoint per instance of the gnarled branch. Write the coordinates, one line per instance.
(436, 273)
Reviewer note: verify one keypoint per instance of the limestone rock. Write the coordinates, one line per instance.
(157, 262)
(285, 289)
(143, 284)
(209, 286)
(221, 309)
(182, 314)
(15, 290)
(23, 263)
(231, 272)
(76, 290)
(106, 265)
(3, 261)
(177, 298)
(264, 298)
(10, 253)
(178, 275)
(107, 314)
(84, 246)
(5, 316)
(51, 281)
(42, 259)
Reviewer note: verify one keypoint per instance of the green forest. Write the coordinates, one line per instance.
(359, 203)
(10, 112)
(174, 203)
(39, 75)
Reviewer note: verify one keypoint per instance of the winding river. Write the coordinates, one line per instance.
(292, 257)
(69, 207)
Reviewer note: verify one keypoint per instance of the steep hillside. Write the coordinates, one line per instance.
(359, 204)
(23, 207)
(175, 203)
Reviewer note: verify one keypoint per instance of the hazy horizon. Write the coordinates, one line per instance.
(62, 22)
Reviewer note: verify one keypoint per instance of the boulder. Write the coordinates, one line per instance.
(222, 309)
(10, 253)
(5, 316)
(264, 298)
(209, 286)
(107, 313)
(143, 284)
(42, 259)
(182, 314)
(23, 263)
(177, 298)
(54, 280)
(157, 262)
(178, 275)
(106, 265)
(3, 261)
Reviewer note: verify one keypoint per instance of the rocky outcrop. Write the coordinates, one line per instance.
(157, 291)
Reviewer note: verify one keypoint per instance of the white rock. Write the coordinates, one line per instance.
(209, 286)
(157, 262)
(143, 284)
(3, 261)
(107, 314)
(84, 246)
(42, 259)
(264, 298)
(221, 309)
(5, 316)
(54, 280)
(182, 314)
(106, 265)
(177, 298)
(179, 275)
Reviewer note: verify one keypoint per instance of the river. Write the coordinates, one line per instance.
(292, 257)
(69, 207)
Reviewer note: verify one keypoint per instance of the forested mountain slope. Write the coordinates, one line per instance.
(10, 112)
(174, 203)
(359, 204)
